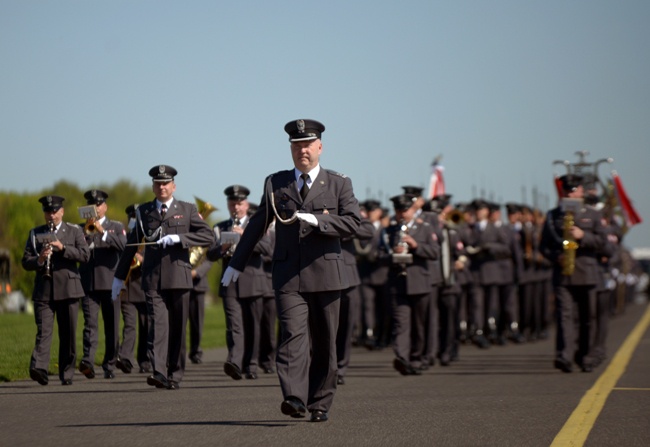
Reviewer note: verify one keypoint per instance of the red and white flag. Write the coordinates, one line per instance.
(437, 182)
(631, 216)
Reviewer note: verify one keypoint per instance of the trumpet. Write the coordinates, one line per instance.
(89, 213)
(198, 254)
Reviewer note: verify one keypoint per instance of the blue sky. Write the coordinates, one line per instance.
(93, 92)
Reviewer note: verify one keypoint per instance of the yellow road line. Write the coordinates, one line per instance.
(618, 388)
(577, 427)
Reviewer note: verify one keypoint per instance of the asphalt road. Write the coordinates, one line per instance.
(503, 396)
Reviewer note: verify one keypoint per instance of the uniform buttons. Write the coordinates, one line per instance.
(304, 230)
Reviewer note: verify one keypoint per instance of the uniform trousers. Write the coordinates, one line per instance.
(575, 312)
(91, 305)
(135, 325)
(196, 319)
(268, 338)
(350, 299)
(432, 328)
(598, 351)
(306, 357)
(66, 312)
(447, 311)
(409, 319)
(168, 310)
(377, 312)
(243, 316)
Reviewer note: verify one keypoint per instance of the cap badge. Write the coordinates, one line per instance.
(49, 199)
(161, 169)
(93, 193)
(301, 126)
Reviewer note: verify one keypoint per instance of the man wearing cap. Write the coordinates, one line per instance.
(168, 227)
(452, 263)
(242, 300)
(106, 240)
(424, 211)
(134, 311)
(487, 246)
(574, 287)
(314, 208)
(376, 319)
(408, 247)
(53, 251)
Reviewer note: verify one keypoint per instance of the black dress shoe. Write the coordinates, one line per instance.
(66, 382)
(251, 375)
(587, 367)
(196, 359)
(480, 341)
(87, 369)
(268, 370)
(125, 365)
(173, 385)
(340, 380)
(145, 369)
(232, 370)
(108, 374)
(405, 369)
(292, 406)
(39, 375)
(158, 380)
(563, 365)
(318, 416)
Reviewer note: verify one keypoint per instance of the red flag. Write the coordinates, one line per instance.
(558, 186)
(631, 216)
(437, 182)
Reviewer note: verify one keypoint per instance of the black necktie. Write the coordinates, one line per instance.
(305, 189)
(163, 210)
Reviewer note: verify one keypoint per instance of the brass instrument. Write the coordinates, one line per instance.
(455, 217)
(89, 213)
(198, 254)
(135, 263)
(569, 245)
(48, 261)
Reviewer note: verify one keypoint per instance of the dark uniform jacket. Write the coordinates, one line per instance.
(492, 246)
(372, 272)
(586, 271)
(253, 281)
(65, 274)
(364, 233)
(166, 268)
(305, 258)
(417, 273)
(99, 271)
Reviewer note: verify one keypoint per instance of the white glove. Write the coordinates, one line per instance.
(170, 239)
(229, 275)
(309, 218)
(116, 288)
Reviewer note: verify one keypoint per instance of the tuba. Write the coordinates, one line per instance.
(198, 254)
(455, 217)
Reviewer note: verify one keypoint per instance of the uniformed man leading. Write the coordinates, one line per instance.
(314, 208)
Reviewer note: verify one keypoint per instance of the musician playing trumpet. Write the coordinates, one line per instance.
(574, 293)
(106, 239)
(56, 294)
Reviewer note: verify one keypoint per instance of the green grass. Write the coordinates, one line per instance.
(18, 333)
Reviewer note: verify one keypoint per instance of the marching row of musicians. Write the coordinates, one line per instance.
(424, 278)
